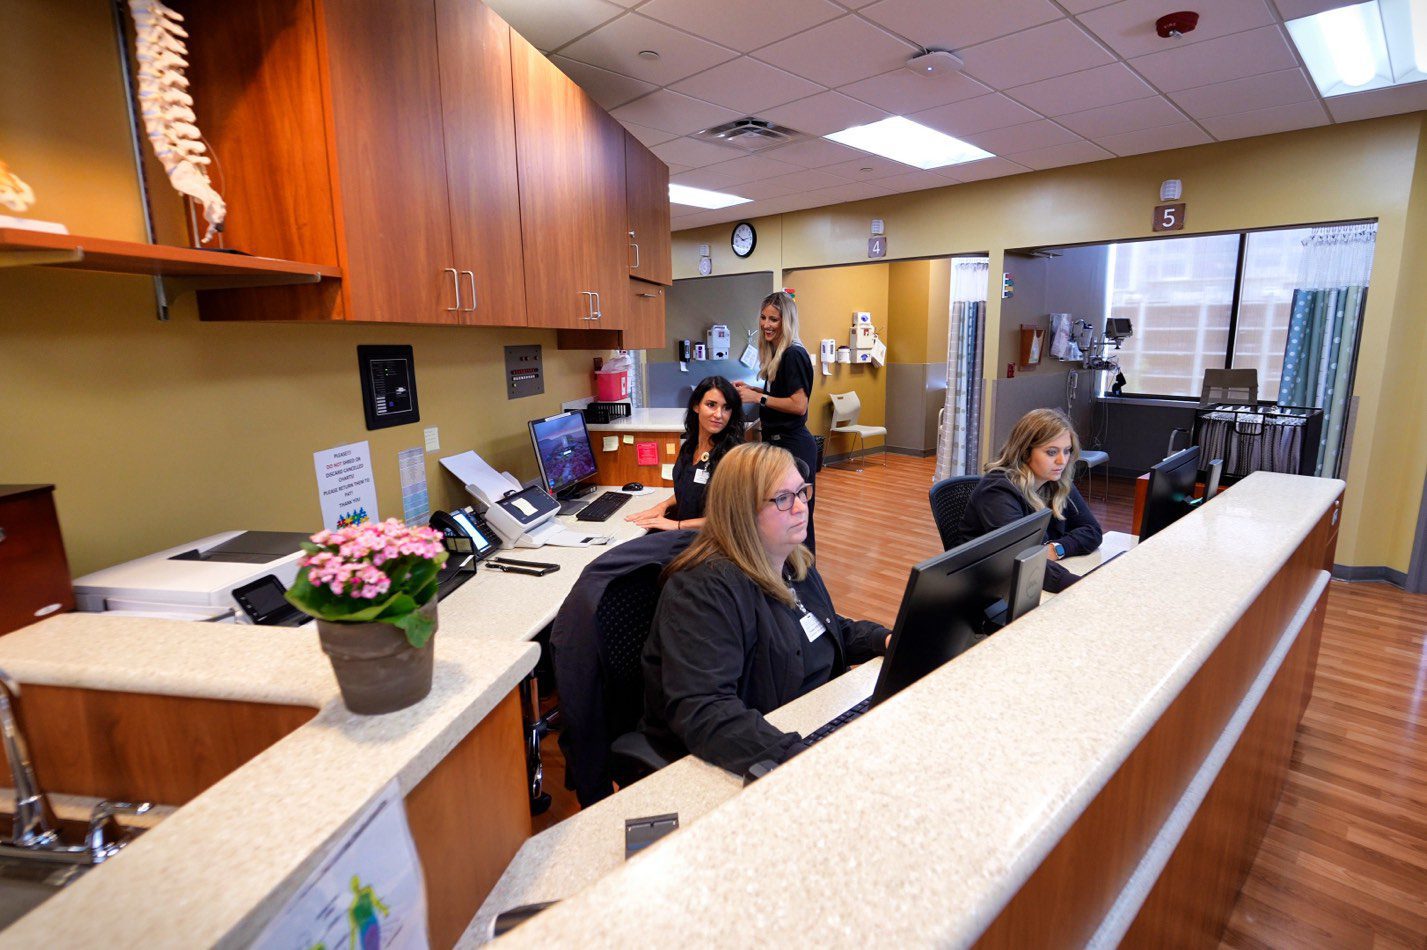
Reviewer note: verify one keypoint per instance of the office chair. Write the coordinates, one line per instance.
(948, 500)
(845, 409)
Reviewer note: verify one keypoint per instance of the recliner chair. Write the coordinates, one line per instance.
(948, 500)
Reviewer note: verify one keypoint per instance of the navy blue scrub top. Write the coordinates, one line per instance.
(689, 495)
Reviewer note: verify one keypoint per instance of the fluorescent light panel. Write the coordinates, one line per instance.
(703, 198)
(910, 143)
(1364, 46)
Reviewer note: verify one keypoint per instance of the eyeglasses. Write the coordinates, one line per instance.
(783, 501)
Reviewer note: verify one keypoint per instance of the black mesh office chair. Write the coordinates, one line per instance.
(948, 500)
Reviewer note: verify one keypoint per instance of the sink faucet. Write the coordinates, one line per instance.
(35, 824)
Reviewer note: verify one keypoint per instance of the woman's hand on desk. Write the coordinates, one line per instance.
(649, 515)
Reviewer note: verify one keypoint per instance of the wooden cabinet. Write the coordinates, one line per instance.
(572, 199)
(644, 324)
(647, 202)
(34, 572)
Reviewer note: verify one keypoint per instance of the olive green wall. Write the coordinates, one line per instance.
(1358, 170)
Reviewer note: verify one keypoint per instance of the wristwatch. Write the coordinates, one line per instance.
(763, 400)
(1059, 549)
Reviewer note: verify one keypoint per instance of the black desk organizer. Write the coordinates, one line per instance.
(601, 413)
(1265, 438)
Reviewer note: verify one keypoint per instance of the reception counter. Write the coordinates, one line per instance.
(1101, 771)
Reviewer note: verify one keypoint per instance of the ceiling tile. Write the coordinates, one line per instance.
(1041, 133)
(747, 86)
(1181, 135)
(914, 180)
(675, 168)
(1214, 61)
(1293, 9)
(826, 112)
(1080, 6)
(901, 91)
(839, 52)
(1122, 117)
(1087, 89)
(650, 137)
(705, 177)
(930, 24)
(1376, 102)
(693, 153)
(852, 191)
(1298, 115)
(1245, 95)
(808, 179)
(674, 113)
(753, 167)
(1057, 155)
(742, 24)
(610, 90)
(979, 171)
(617, 45)
(813, 153)
(975, 115)
(1038, 53)
(876, 167)
(765, 189)
(550, 24)
(1128, 27)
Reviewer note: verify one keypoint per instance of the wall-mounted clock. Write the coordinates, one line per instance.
(745, 239)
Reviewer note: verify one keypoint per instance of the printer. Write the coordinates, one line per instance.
(232, 577)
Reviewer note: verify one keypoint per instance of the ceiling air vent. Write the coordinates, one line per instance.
(750, 134)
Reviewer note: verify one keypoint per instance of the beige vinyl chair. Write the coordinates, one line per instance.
(845, 409)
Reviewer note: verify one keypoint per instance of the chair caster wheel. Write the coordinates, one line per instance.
(540, 804)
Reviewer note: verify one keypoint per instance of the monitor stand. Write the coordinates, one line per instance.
(569, 498)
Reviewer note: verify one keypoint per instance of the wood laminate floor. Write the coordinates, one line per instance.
(1344, 862)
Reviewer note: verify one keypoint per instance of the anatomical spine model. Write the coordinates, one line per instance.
(14, 193)
(167, 108)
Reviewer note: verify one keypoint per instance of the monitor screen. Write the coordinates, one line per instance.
(562, 449)
(1170, 494)
(954, 598)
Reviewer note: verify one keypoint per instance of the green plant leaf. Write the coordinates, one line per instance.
(418, 628)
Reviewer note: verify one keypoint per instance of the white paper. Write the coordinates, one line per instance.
(879, 352)
(750, 356)
(523, 506)
(683, 367)
(415, 502)
(667, 471)
(367, 892)
(611, 443)
(345, 488)
(433, 439)
(473, 471)
(629, 440)
(565, 538)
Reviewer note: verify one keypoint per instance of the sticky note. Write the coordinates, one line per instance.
(667, 471)
(433, 439)
(629, 440)
(646, 453)
(611, 443)
(670, 448)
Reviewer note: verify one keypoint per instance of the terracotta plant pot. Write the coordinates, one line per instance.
(377, 670)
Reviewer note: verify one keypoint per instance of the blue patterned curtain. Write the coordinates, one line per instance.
(958, 440)
(1323, 329)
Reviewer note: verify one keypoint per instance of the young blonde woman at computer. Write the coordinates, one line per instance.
(1034, 471)
(744, 623)
(713, 424)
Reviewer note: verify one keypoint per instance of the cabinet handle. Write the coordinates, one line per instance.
(635, 265)
(648, 295)
(474, 299)
(589, 304)
(599, 310)
(455, 282)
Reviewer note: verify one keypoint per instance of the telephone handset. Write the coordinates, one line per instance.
(466, 534)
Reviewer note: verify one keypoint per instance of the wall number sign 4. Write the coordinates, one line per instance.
(744, 239)
(1169, 217)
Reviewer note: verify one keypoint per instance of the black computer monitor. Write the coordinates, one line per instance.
(1211, 481)
(1170, 494)
(562, 449)
(953, 599)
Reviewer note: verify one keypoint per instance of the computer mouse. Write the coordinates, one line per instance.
(634, 486)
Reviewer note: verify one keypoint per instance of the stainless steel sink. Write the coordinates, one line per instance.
(26, 884)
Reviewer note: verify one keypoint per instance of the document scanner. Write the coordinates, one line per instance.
(198, 580)
(522, 516)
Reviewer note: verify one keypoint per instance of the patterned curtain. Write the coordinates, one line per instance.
(1323, 329)
(958, 442)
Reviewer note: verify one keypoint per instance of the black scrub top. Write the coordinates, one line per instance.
(795, 372)
(689, 495)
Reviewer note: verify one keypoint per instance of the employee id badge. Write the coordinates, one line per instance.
(812, 627)
(701, 476)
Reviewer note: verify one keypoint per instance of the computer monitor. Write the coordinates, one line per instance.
(954, 598)
(1211, 482)
(1171, 491)
(562, 449)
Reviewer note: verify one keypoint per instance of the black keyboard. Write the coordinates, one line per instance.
(602, 507)
(828, 728)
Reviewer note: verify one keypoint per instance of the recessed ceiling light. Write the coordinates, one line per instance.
(702, 198)
(1364, 46)
(905, 141)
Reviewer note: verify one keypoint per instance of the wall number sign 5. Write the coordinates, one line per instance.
(1169, 217)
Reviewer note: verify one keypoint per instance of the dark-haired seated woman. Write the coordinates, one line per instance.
(713, 424)
(744, 623)
(1035, 471)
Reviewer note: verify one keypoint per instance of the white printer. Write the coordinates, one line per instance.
(233, 577)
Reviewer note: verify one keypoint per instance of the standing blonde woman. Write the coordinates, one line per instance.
(787, 371)
(744, 622)
(1035, 470)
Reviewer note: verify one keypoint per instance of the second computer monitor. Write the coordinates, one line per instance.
(952, 599)
(562, 449)
(1170, 494)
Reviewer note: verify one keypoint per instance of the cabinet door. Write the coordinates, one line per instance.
(479, 121)
(34, 573)
(644, 327)
(391, 163)
(647, 196)
(572, 230)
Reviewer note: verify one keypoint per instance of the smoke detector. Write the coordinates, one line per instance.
(1175, 25)
(935, 62)
(749, 133)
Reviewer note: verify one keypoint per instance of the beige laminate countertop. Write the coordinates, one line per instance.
(917, 823)
(644, 420)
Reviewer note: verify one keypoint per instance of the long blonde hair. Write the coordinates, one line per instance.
(744, 481)
(1036, 428)
(770, 355)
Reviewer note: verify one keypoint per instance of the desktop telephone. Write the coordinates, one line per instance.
(468, 539)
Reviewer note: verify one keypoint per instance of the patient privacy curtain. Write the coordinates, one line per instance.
(1323, 328)
(958, 441)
